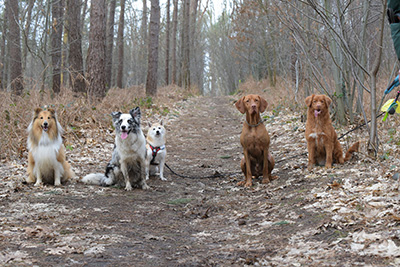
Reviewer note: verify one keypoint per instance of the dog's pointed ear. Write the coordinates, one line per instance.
(148, 124)
(309, 100)
(161, 122)
(240, 105)
(136, 114)
(52, 111)
(115, 115)
(328, 100)
(37, 111)
(263, 105)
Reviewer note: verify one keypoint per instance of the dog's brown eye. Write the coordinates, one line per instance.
(48, 118)
(41, 118)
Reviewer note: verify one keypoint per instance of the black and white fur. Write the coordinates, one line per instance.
(156, 150)
(127, 165)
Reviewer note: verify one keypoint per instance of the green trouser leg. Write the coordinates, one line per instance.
(395, 30)
(395, 27)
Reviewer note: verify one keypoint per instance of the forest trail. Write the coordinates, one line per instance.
(339, 217)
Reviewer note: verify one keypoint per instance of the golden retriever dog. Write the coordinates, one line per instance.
(322, 142)
(255, 141)
(46, 158)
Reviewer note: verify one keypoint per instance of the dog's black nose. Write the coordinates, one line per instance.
(45, 123)
(157, 132)
(123, 127)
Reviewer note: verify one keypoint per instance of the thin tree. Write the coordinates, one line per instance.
(25, 37)
(3, 58)
(96, 51)
(185, 71)
(373, 135)
(154, 31)
(174, 34)
(15, 47)
(142, 57)
(120, 45)
(167, 45)
(75, 45)
(56, 42)
(110, 42)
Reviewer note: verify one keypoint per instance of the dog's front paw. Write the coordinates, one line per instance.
(145, 186)
(38, 183)
(265, 180)
(163, 178)
(128, 187)
(245, 184)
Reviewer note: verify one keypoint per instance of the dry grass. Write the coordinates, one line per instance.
(75, 113)
(276, 96)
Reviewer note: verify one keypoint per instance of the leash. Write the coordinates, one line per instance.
(215, 175)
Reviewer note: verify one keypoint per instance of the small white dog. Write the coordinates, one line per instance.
(156, 150)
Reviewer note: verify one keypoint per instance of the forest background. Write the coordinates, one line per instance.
(87, 58)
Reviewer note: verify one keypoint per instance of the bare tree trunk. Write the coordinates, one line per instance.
(120, 45)
(174, 33)
(15, 48)
(154, 31)
(26, 35)
(167, 33)
(97, 50)
(83, 16)
(56, 35)
(373, 143)
(185, 80)
(110, 42)
(143, 50)
(3, 58)
(75, 45)
(193, 63)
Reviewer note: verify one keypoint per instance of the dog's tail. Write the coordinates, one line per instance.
(95, 178)
(352, 149)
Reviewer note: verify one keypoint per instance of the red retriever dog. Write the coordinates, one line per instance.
(254, 139)
(322, 142)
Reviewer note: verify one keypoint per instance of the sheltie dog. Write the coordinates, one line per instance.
(156, 151)
(46, 158)
(127, 165)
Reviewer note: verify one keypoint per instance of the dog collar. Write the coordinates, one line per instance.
(154, 151)
(254, 125)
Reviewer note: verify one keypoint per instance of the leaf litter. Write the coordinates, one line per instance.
(344, 216)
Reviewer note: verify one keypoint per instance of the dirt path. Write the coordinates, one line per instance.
(297, 220)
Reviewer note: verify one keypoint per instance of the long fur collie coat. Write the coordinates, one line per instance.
(46, 158)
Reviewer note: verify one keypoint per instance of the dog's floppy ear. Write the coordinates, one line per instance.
(136, 114)
(309, 100)
(240, 105)
(115, 115)
(263, 104)
(328, 100)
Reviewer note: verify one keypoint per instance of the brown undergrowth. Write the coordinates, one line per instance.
(76, 113)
